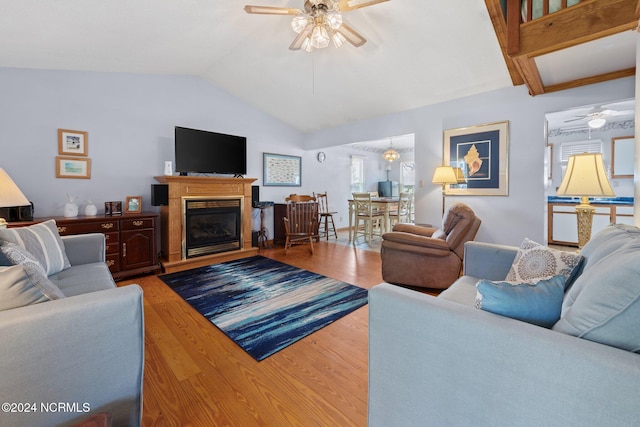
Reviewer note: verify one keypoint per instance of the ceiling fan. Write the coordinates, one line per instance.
(319, 23)
(598, 118)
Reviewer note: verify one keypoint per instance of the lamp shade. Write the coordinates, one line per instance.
(10, 194)
(586, 176)
(445, 175)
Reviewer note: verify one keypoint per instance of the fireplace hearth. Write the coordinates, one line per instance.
(173, 256)
(211, 226)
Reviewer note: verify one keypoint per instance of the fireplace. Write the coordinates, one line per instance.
(211, 225)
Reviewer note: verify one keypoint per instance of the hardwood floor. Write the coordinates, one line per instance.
(196, 376)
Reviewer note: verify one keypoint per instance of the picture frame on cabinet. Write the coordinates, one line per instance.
(73, 142)
(133, 204)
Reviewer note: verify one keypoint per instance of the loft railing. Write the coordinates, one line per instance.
(535, 9)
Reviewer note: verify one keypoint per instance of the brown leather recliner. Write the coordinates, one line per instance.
(428, 257)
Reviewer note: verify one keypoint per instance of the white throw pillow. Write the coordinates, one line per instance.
(535, 262)
(43, 242)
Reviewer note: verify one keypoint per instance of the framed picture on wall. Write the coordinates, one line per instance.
(73, 167)
(73, 142)
(282, 170)
(482, 153)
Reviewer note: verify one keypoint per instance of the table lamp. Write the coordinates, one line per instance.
(11, 199)
(586, 177)
(447, 175)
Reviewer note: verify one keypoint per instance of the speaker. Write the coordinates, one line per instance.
(159, 194)
(255, 195)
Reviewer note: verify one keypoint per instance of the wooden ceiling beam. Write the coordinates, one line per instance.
(591, 80)
(500, 27)
(530, 74)
(586, 21)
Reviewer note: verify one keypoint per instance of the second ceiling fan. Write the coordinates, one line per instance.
(320, 23)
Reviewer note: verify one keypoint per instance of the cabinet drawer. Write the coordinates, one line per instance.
(113, 262)
(113, 242)
(134, 224)
(88, 227)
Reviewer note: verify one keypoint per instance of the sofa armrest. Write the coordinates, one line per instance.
(408, 242)
(487, 260)
(85, 248)
(86, 349)
(449, 364)
(414, 229)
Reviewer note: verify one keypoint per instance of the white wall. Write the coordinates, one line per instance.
(506, 219)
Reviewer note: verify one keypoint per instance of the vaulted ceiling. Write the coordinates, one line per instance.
(418, 52)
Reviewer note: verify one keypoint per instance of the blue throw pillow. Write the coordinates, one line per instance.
(538, 303)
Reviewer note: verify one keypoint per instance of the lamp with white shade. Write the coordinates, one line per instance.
(12, 202)
(447, 175)
(586, 176)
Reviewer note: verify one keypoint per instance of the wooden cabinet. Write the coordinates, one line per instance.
(130, 238)
(562, 222)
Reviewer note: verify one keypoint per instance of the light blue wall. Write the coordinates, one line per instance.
(130, 121)
(506, 219)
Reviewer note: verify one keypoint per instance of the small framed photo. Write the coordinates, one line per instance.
(133, 204)
(112, 208)
(73, 167)
(73, 142)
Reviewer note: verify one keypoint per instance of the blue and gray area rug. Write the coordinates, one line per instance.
(264, 305)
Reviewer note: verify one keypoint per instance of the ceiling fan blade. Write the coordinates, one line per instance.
(575, 119)
(344, 5)
(271, 10)
(352, 36)
(617, 113)
(297, 42)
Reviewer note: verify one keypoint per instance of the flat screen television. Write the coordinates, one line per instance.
(199, 151)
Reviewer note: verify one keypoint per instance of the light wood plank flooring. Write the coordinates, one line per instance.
(196, 376)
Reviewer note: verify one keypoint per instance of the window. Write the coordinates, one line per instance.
(579, 147)
(357, 174)
(407, 176)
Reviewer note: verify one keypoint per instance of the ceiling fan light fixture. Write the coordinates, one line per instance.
(299, 23)
(596, 123)
(334, 19)
(320, 37)
(338, 39)
(306, 45)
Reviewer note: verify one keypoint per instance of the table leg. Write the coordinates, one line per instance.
(350, 221)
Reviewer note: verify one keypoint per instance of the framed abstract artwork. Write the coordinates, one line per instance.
(482, 153)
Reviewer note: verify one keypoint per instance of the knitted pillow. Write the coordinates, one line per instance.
(534, 262)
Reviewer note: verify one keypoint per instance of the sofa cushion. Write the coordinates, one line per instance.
(604, 303)
(84, 278)
(16, 289)
(538, 303)
(43, 241)
(33, 272)
(534, 262)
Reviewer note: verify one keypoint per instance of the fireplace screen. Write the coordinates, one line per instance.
(211, 226)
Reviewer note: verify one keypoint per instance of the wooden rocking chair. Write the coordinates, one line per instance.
(301, 222)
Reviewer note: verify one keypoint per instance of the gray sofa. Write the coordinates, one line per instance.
(64, 360)
(440, 361)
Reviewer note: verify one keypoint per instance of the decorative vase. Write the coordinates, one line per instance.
(70, 208)
(90, 209)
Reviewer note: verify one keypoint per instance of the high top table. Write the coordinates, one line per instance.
(387, 204)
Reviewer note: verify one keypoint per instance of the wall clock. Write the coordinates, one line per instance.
(321, 157)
